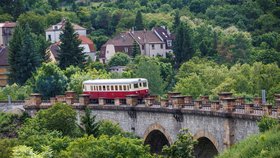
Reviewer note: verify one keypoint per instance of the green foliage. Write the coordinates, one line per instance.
(23, 55)
(104, 146)
(210, 78)
(183, 147)
(15, 91)
(183, 46)
(267, 123)
(156, 83)
(119, 59)
(9, 124)
(258, 146)
(135, 49)
(49, 80)
(23, 151)
(7, 147)
(91, 127)
(70, 53)
(139, 21)
(76, 80)
(60, 117)
(109, 128)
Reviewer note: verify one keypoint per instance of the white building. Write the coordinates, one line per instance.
(53, 32)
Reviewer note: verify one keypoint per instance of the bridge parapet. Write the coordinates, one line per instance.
(227, 104)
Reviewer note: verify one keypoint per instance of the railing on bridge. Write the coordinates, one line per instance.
(226, 103)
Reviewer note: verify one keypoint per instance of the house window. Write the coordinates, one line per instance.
(153, 46)
(126, 49)
(143, 47)
(161, 46)
(49, 37)
(169, 43)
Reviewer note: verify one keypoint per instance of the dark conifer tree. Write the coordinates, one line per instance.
(139, 21)
(28, 56)
(176, 21)
(183, 46)
(70, 52)
(15, 46)
(135, 49)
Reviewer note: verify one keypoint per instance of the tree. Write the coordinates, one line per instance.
(23, 151)
(156, 83)
(70, 52)
(109, 128)
(76, 80)
(49, 80)
(135, 49)
(59, 117)
(183, 46)
(176, 21)
(139, 21)
(29, 58)
(119, 59)
(267, 123)
(104, 146)
(261, 145)
(183, 147)
(91, 127)
(14, 53)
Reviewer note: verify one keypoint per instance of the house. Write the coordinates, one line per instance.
(164, 34)
(123, 42)
(6, 31)
(117, 69)
(53, 32)
(87, 44)
(4, 66)
(151, 43)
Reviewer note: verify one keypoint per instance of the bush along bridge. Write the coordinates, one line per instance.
(215, 124)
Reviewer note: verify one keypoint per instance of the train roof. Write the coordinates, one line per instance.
(115, 81)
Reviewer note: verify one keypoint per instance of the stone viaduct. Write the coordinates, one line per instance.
(215, 124)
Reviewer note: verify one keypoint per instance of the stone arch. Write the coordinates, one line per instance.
(207, 145)
(156, 136)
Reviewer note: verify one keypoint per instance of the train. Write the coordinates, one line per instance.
(116, 88)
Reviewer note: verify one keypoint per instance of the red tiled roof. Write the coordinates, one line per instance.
(86, 40)
(4, 56)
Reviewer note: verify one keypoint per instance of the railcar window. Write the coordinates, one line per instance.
(145, 84)
(116, 87)
(128, 88)
(124, 87)
(108, 88)
(136, 85)
(112, 88)
(99, 88)
(140, 84)
(104, 88)
(120, 87)
(91, 88)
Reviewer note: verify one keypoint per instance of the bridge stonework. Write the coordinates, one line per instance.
(216, 124)
(223, 130)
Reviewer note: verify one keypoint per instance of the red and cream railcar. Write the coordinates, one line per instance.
(116, 88)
